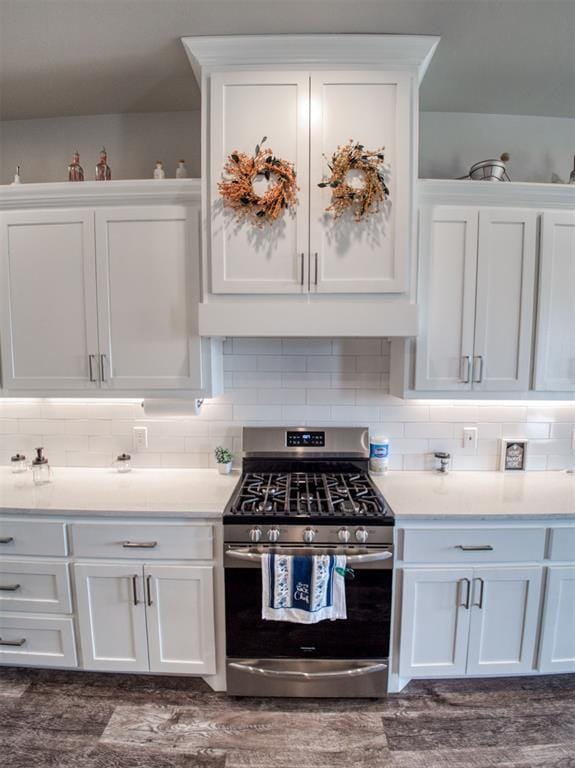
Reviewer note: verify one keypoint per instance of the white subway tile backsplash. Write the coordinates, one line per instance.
(314, 382)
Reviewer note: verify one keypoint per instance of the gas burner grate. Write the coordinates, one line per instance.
(308, 494)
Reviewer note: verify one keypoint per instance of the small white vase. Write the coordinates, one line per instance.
(225, 469)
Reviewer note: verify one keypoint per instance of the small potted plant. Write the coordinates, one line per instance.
(224, 459)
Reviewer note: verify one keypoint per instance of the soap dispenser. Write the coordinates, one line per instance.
(41, 472)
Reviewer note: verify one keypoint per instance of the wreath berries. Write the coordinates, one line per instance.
(364, 200)
(238, 192)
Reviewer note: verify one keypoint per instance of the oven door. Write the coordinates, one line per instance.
(274, 651)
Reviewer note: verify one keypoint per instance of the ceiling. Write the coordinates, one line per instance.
(80, 57)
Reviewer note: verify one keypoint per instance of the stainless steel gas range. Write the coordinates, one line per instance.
(308, 491)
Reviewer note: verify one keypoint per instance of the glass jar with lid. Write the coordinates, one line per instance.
(123, 463)
(41, 472)
(18, 463)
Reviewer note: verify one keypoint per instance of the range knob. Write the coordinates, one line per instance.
(273, 534)
(308, 535)
(361, 535)
(344, 535)
(255, 534)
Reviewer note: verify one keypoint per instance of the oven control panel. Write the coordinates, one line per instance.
(305, 439)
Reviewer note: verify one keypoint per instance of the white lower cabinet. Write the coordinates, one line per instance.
(557, 652)
(469, 621)
(136, 617)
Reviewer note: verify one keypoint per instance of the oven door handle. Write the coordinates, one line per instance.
(369, 557)
(356, 671)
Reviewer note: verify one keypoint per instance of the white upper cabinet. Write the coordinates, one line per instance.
(477, 277)
(106, 297)
(447, 281)
(48, 300)
(146, 298)
(555, 345)
(371, 108)
(245, 107)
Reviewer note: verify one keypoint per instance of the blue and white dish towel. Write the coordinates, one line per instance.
(303, 589)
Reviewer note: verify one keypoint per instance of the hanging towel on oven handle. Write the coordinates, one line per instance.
(303, 589)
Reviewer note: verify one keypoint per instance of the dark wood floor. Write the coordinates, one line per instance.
(52, 719)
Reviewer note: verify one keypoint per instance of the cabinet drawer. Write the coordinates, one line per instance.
(34, 586)
(32, 537)
(143, 541)
(562, 544)
(474, 545)
(37, 641)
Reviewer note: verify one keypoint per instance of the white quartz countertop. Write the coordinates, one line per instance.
(478, 494)
(141, 492)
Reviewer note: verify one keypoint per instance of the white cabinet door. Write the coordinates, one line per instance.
(557, 652)
(147, 292)
(505, 300)
(112, 616)
(435, 622)
(180, 615)
(372, 108)
(245, 107)
(555, 347)
(48, 300)
(448, 265)
(504, 620)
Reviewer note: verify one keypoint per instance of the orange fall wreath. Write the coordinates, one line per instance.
(238, 192)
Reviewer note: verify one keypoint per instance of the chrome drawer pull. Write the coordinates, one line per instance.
(291, 674)
(6, 539)
(9, 587)
(139, 544)
(15, 643)
(474, 548)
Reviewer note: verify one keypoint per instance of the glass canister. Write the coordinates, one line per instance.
(442, 462)
(123, 463)
(18, 464)
(41, 472)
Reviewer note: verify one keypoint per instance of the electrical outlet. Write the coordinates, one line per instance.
(140, 438)
(469, 438)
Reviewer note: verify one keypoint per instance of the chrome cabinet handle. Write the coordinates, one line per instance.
(6, 539)
(91, 359)
(102, 368)
(315, 269)
(479, 604)
(149, 589)
(465, 604)
(480, 379)
(15, 643)
(302, 268)
(466, 379)
(290, 674)
(139, 544)
(9, 587)
(474, 548)
(369, 557)
(135, 589)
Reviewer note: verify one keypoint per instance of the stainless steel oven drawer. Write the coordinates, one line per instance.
(324, 678)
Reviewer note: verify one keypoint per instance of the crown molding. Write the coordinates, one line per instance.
(95, 193)
(511, 194)
(406, 52)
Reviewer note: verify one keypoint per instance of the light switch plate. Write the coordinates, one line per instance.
(140, 437)
(469, 438)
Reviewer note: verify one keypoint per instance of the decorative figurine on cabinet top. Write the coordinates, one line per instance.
(182, 170)
(75, 170)
(103, 172)
(159, 172)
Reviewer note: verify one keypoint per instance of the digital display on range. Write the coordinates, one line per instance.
(305, 439)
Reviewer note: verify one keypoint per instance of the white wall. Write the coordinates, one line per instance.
(291, 381)
(450, 142)
(134, 142)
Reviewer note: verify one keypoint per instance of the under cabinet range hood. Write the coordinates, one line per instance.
(295, 101)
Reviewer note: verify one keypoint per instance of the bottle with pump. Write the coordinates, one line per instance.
(41, 472)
